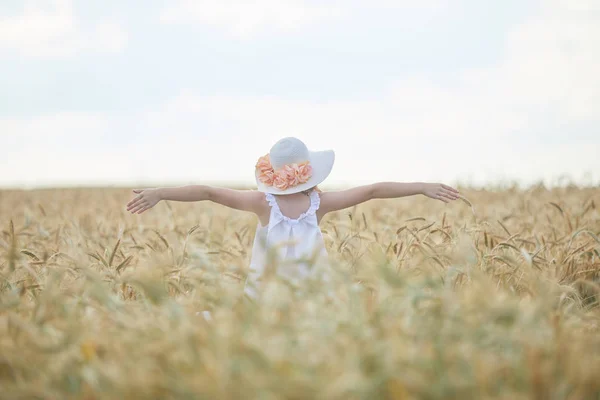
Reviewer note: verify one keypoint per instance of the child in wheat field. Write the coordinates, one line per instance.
(288, 204)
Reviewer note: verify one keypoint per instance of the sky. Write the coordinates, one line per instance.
(191, 92)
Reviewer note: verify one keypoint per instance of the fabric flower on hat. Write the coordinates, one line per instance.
(303, 172)
(289, 176)
(264, 164)
(267, 177)
(280, 182)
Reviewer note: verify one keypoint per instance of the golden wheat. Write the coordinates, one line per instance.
(425, 300)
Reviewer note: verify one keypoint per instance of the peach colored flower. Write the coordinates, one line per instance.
(303, 173)
(264, 164)
(267, 177)
(288, 173)
(280, 181)
(289, 176)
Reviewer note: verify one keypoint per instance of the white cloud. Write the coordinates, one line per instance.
(53, 148)
(516, 120)
(247, 19)
(50, 28)
(99, 148)
(551, 64)
(387, 138)
(209, 138)
(242, 18)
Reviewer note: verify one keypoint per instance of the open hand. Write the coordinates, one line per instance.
(145, 200)
(441, 192)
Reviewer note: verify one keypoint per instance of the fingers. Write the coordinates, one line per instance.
(140, 210)
(135, 199)
(146, 207)
(135, 202)
(449, 188)
(446, 195)
(449, 194)
(137, 208)
(142, 202)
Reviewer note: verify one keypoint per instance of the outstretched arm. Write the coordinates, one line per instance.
(245, 200)
(333, 201)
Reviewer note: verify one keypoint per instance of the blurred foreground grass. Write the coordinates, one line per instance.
(431, 301)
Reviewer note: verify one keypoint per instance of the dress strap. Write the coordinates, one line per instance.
(271, 200)
(315, 202)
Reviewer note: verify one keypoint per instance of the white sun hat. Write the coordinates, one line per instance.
(291, 155)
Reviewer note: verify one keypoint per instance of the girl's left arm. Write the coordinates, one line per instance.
(245, 200)
(333, 201)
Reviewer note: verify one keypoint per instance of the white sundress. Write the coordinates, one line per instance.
(293, 239)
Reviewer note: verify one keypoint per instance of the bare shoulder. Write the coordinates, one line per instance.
(260, 199)
(257, 199)
(261, 206)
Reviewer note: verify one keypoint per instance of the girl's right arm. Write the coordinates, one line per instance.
(245, 200)
(334, 201)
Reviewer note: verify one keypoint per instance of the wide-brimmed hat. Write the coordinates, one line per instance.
(290, 167)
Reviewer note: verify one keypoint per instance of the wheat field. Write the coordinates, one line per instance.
(493, 299)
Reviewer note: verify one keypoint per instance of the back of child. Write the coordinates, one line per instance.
(288, 176)
(289, 206)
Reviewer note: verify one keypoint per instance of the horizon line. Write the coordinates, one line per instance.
(562, 182)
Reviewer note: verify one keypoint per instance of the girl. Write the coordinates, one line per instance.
(288, 204)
